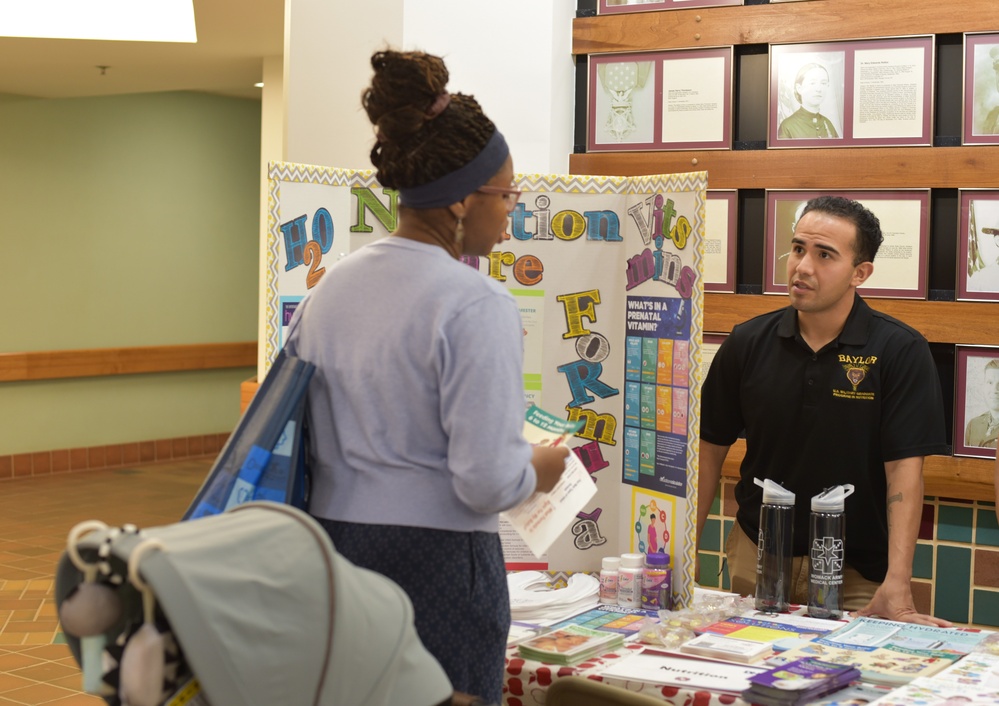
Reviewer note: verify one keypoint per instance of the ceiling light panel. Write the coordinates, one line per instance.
(117, 20)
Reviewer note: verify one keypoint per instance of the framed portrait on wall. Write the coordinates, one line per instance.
(978, 245)
(610, 6)
(981, 89)
(976, 403)
(623, 102)
(900, 264)
(875, 92)
(667, 100)
(720, 232)
(807, 94)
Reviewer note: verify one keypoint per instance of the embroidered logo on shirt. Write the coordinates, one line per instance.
(855, 375)
(856, 367)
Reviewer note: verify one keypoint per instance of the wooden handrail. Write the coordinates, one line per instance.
(97, 362)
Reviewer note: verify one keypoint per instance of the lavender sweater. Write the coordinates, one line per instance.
(417, 404)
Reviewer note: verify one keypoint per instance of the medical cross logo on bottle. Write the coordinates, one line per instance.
(827, 556)
(827, 529)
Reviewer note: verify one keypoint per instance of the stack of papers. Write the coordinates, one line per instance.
(730, 649)
(798, 682)
(626, 621)
(657, 667)
(569, 645)
(889, 652)
(972, 681)
(782, 632)
(533, 600)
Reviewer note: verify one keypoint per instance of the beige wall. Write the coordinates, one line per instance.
(127, 221)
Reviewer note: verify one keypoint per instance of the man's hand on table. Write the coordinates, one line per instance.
(893, 601)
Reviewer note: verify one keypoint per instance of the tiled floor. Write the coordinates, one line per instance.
(35, 516)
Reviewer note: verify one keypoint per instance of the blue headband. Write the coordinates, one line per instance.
(452, 188)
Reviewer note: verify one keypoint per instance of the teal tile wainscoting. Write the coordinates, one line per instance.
(955, 569)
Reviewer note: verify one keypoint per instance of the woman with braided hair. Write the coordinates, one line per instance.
(417, 406)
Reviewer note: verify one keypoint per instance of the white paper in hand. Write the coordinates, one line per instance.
(541, 518)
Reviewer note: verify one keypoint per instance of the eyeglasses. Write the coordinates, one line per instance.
(510, 196)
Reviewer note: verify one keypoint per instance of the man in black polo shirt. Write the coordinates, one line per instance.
(828, 391)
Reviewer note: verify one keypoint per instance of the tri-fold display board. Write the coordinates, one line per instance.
(608, 275)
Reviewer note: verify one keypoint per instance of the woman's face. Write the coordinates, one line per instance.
(487, 216)
(812, 88)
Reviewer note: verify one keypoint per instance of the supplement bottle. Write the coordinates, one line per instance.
(629, 581)
(608, 579)
(657, 582)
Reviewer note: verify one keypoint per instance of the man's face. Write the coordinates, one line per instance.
(820, 269)
(992, 388)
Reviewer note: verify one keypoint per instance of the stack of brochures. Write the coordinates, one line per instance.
(689, 673)
(627, 621)
(729, 649)
(971, 681)
(889, 652)
(782, 632)
(799, 682)
(569, 644)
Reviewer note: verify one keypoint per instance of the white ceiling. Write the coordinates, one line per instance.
(234, 36)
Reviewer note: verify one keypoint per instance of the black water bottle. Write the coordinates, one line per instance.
(827, 551)
(774, 548)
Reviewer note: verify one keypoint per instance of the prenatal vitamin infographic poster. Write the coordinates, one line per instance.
(608, 275)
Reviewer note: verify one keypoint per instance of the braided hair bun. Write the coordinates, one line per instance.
(416, 143)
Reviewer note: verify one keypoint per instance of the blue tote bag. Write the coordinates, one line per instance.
(264, 458)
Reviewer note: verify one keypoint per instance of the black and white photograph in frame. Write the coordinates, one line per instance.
(865, 93)
(981, 89)
(810, 95)
(976, 404)
(978, 245)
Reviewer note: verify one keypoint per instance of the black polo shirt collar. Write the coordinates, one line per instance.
(855, 331)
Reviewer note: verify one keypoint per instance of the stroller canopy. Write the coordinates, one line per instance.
(266, 612)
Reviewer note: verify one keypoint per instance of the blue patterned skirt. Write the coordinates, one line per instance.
(457, 583)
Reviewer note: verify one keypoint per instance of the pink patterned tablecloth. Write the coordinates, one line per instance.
(526, 681)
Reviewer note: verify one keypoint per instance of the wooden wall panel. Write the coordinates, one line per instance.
(969, 323)
(846, 168)
(972, 323)
(783, 23)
